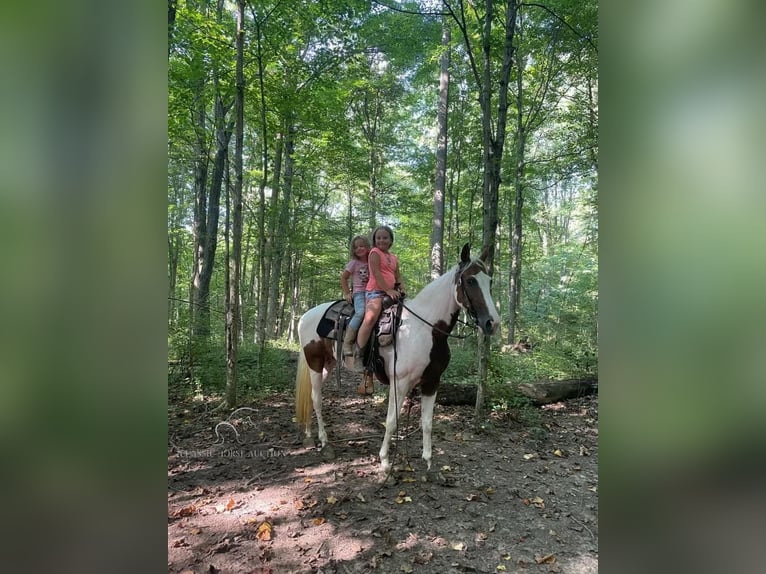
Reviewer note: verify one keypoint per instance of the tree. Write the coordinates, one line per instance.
(235, 258)
(493, 133)
(440, 178)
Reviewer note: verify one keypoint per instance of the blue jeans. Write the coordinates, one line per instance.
(359, 300)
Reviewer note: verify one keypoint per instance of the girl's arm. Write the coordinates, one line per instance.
(374, 263)
(344, 284)
(398, 277)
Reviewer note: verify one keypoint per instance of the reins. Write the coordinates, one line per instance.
(393, 384)
(468, 310)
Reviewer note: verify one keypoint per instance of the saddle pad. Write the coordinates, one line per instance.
(329, 320)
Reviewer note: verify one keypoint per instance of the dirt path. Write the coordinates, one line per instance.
(511, 497)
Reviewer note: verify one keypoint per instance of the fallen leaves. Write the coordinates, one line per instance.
(263, 532)
(548, 559)
(535, 501)
(185, 511)
(402, 497)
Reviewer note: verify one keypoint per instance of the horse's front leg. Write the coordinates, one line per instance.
(395, 401)
(426, 421)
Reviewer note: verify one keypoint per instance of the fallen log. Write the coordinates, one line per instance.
(541, 392)
(544, 392)
(456, 394)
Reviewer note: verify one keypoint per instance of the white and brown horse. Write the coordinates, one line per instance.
(419, 355)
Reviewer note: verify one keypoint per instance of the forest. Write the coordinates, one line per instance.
(295, 125)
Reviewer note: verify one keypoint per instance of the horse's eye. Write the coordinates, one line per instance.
(472, 281)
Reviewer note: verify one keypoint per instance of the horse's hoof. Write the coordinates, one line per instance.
(327, 452)
(308, 442)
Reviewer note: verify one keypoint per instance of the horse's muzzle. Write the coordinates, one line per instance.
(488, 325)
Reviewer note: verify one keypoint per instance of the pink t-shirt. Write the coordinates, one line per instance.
(359, 274)
(388, 265)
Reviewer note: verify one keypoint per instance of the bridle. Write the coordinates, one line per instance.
(468, 308)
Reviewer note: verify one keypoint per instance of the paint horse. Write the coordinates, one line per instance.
(419, 355)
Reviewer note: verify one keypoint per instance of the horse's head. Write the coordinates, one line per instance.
(473, 290)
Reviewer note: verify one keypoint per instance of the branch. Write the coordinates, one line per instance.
(404, 11)
(552, 13)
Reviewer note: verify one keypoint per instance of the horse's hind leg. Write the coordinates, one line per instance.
(316, 398)
(426, 421)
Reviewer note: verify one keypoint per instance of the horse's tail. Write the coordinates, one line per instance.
(303, 402)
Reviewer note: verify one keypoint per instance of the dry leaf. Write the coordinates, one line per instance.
(457, 546)
(500, 567)
(489, 490)
(319, 521)
(299, 504)
(558, 452)
(263, 533)
(423, 557)
(538, 502)
(530, 456)
(360, 497)
(331, 499)
(549, 559)
(230, 504)
(185, 511)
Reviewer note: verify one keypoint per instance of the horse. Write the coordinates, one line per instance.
(418, 356)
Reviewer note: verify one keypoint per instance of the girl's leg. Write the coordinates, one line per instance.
(370, 315)
(359, 304)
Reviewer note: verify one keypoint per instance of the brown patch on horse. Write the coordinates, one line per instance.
(439, 357)
(319, 355)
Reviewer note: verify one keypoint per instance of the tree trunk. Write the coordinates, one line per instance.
(233, 306)
(280, 233)
(437, 229)
(492, 152)
(260, 298)
(514, 278)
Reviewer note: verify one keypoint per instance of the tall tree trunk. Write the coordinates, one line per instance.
(260, 324)
(223, 131)
(440, 177)
(492, 156)
(198, 305)
(171, 21)
(233, 308)
(514, 286)
(280, 233)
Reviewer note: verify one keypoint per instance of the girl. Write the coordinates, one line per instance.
(358, 271)
(384, 280)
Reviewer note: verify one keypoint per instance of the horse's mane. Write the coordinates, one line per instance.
(426, 292)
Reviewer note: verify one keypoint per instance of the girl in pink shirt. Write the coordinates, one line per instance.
(384, 280)
(357, 271)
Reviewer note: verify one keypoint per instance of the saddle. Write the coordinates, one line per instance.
(332, 325)
(382, 335)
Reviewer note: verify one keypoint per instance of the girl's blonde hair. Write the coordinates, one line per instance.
(362, 238)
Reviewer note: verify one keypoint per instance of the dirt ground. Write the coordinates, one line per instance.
(519, 494)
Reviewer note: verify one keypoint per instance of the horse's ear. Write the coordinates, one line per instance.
(484, 253)
(465, 254)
